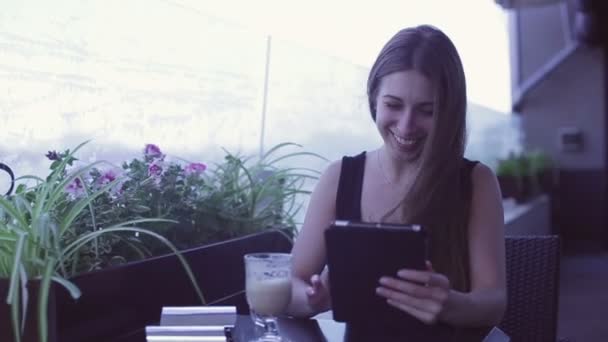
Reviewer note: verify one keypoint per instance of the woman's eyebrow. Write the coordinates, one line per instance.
(393, 97)
(397, 98)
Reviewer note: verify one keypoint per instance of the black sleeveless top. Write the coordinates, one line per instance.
(350, 186)
(348, 207)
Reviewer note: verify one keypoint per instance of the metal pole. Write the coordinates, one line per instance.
(265, 95)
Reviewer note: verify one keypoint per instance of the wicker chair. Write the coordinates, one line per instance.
(533, 288)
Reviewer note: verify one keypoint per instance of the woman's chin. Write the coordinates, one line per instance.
(406, 153)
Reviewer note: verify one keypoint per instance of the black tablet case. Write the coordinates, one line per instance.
(358, 254)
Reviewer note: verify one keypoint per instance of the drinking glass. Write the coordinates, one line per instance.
(268, 289)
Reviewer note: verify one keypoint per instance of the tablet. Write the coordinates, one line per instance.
(358, 254)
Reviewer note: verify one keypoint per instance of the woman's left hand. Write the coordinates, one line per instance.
(422, 294)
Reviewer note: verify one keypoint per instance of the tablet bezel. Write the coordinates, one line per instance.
(352, 281)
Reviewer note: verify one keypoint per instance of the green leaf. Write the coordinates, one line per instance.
(14, 279)
(77, 208)
(84, 239)
(13, 212)
(68, 285)
(30, 177)
(278, 147)
(43, 300)
(291, 155)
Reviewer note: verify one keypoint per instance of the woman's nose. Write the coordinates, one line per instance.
(407, 121)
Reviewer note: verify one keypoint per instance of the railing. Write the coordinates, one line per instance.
(8, 170)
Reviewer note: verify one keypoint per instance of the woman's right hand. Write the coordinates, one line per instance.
(317, 293)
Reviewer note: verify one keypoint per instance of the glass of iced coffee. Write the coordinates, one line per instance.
(268, 289)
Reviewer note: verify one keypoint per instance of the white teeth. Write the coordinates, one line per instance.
(403, 141)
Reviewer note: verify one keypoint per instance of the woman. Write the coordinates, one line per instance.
(417, 98)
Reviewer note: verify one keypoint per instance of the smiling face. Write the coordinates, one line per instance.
(404, 113)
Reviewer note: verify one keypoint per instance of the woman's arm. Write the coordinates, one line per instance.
(427, 295)
(310, 292)
(487, 301)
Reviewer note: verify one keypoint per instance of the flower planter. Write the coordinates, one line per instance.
(121, 301)
(511, 187)
(31, 321)
(547, 181)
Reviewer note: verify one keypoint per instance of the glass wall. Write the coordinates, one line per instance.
(129, 73)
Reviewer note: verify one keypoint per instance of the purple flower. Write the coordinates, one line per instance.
(52, 155)
(107, 177)
(194, 169)
(75, 188)
(110, 176)
(155, 170)
(152, 151)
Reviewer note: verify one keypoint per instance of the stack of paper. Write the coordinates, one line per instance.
(193, 323)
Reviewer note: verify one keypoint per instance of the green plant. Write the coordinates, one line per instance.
(539, 162)
(514, 165)
(38, 240)
(524, 164)
(249, 194)
(237, 196)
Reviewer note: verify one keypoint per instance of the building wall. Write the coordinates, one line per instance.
(571, 96)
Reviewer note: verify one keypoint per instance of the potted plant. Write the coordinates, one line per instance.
(210, 213)
(39, 247)
(542, 170)
(511, 173)
(219, 211)
(237, 196)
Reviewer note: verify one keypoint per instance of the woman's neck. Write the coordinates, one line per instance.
(392, 170)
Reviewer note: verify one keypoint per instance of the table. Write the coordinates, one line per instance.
(295, 329)
(327, 330)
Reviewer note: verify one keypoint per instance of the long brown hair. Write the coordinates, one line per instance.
(438, 197)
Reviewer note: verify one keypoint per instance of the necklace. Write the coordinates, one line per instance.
(388, 181)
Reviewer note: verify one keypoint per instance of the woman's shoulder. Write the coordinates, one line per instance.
(334, 168)
(332, 171)
(356, 158)
(477, 168)
(482, 174)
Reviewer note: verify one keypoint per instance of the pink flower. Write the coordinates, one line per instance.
(152, 151)
(75, 188)
(155, 169)
(194, 169)
(110, 176)
(107, 177)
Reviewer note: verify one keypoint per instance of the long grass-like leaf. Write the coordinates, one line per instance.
(84, 239)
(24, 296)
(14, 302)
(301, 176)
(4, 236)
(141, 251)
(278, 147)
(68, 285)
(14, 279)
(58, 184)
(296, 154)
(21, 202)
(59, 189)
(40, 202)
(30, 177)
(93, 220)
(77, 208)
(43, 300)
(291, 169)
(13, 212)
(143, 220)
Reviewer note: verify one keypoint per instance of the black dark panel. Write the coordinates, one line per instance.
(580, 205)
